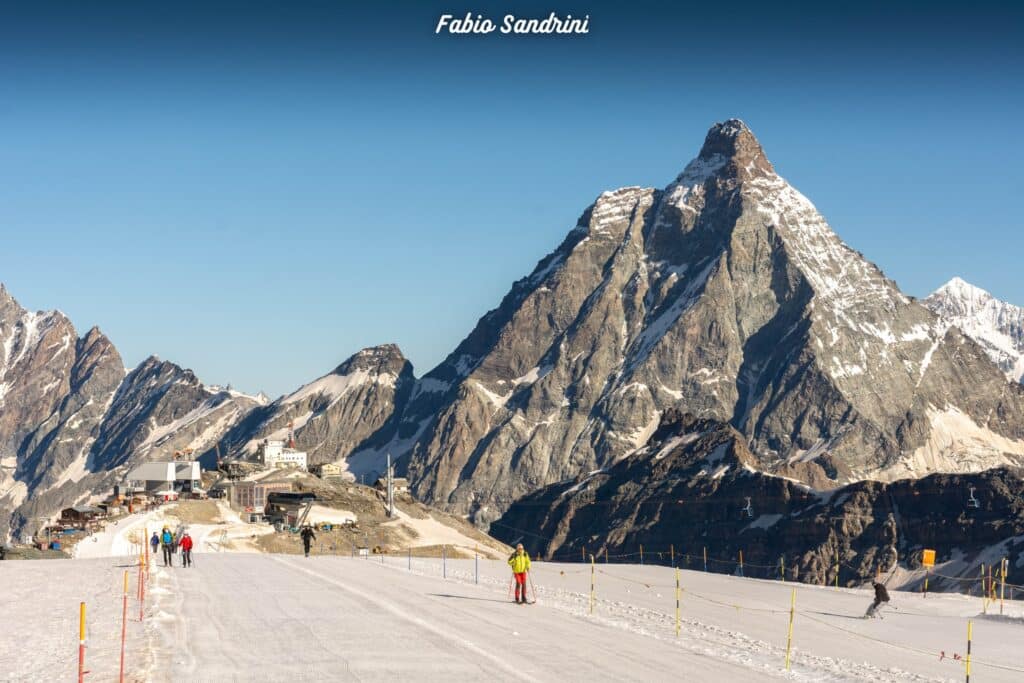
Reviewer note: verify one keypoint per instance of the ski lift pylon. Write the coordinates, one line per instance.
(749, 510)
(972, 502)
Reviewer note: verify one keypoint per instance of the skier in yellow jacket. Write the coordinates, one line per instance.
(520, 563)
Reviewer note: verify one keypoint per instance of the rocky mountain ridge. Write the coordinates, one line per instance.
(73, 420)
(354, 407)
(696, 486)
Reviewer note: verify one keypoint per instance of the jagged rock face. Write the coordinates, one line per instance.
(725, 292)
(71, 422)
(161, 408)
(36, 357)
(997, 326)
(354, 407)
(54, 389)
(688, 489)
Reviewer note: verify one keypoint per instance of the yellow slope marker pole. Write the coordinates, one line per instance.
(677, 602)
(672, 554)
(837, 568)
(641, 554)
(970, 628)
(782, 567)
(1002, 584)
(705, 558)
(592, 571)
(741, 563)
(789, 638)
(984, 605)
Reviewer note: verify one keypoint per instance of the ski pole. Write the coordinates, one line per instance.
(529, 575)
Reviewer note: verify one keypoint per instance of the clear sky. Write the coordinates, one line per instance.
(256, 190)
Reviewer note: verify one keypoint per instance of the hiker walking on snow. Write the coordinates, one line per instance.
(154, 543)
(167, 543)
(881, 595)
(308, 536)
(520, 563)
(186, 550)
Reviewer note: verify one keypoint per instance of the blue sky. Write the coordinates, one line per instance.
(257, 190)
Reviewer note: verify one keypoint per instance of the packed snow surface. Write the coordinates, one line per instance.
(284, 617)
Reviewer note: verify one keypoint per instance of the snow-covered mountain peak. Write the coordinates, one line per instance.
(996, 325)
(961, 289)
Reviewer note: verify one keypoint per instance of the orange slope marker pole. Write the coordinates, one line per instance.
(81, 642)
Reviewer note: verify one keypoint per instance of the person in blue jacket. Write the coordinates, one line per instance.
(167, 542)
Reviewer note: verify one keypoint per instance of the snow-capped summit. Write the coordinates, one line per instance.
(996, 325)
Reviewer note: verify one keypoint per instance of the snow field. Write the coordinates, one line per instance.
(745, 621)
(255, 617)
(39, 629)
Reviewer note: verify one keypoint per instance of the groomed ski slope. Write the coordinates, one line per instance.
(255, 617)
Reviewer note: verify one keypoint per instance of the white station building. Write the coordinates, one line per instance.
(165, 476)
(273, 453)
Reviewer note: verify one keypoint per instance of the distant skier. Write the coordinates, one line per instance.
(881, 596)
(186, 550)
(167, 543)
(154, 543)
(520, 563)
(308, 536)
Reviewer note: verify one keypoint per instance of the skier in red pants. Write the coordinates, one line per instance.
(520, 563)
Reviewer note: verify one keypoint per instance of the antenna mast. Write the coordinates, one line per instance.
(391, 489)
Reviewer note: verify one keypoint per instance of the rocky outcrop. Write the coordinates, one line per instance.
(996, 325)
(726, 292)
(696, 485)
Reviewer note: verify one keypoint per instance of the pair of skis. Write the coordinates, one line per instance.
(511, 583)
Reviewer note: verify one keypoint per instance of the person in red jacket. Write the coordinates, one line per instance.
(186, 550)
